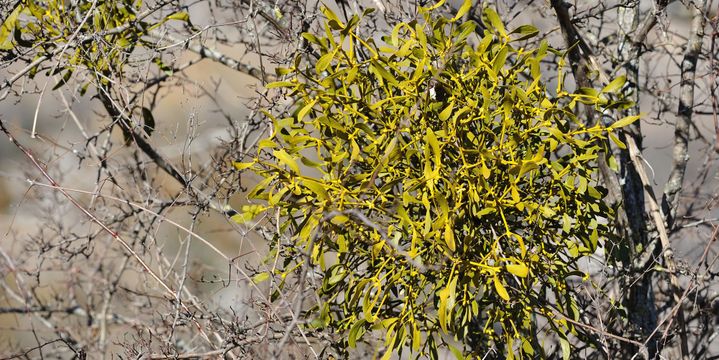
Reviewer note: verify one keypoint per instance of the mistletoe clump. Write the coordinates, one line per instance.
(440, 187)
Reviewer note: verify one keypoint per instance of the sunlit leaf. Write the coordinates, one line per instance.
(7, 28)
(445, 114)
(501, 290)
(519, 269)
(287, 160)
(260, 277)
(182, 16)
(615, 84)
(449, 237)
(466, 5)
(624, 122)
(525, 32)
(495, 21)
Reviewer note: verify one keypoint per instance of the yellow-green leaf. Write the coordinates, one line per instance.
(525, 32)
(287, 159)
(432, 7)
(518, 269)
(526, 167)
(416, 337)
(388, 354)
(241, 218)
(281, 71)
(463, 9)
(501, 291)
(308, 228)
(449, 236)
(496, 22)
(263, 276)
(484, 170)
(615, 84)
(616, 140)
(520, 241)
(324, 62)
(356, 332)
(242, 165)
(442, 310)
(317, 188)
(340, 219)
(383, 73)
(8, 27)
(566, 348)
(333, 19)
(514, 193)
(278, 84)
(182, 16)
(266, 143)
(431, 139)
(456, 352)
(566, 223)
(248, 213)
(444, 115)
(624, 122)
(305, 109)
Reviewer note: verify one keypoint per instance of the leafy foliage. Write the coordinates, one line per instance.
(95, 36)
(437, 184)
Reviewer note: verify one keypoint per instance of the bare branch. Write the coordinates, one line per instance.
(680, 154)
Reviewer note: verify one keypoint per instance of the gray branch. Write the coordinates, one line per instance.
(680, 155)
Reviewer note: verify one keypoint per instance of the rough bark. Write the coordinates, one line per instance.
(672, 189)
(640, 300)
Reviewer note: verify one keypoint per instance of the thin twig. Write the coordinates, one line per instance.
(97, 221)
